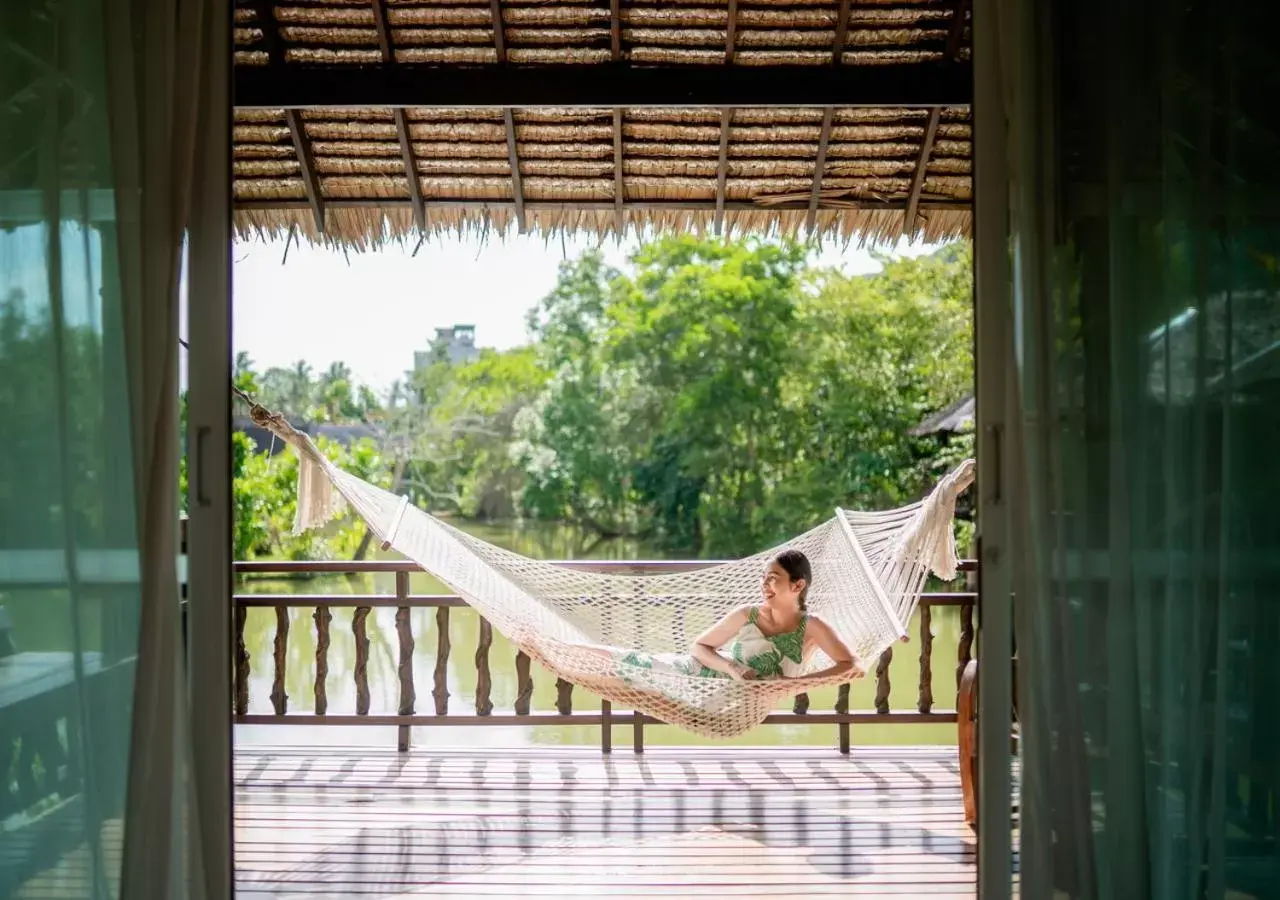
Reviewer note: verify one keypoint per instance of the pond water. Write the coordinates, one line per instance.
(547, 541)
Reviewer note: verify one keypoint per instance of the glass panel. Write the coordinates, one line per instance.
(1149, 331)
(69, 583)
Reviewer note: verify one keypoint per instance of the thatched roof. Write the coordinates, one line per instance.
(851, 172)
(950, 420)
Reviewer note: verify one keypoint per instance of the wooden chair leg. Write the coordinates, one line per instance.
(967, 716)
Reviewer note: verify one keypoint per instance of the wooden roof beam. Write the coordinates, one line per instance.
(310, 183)
(606, 205)
(910, 219)
(722, 172)
(517, 186)
(287, 86)
(819, 169)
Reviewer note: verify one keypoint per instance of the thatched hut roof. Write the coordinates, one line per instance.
(869, 171)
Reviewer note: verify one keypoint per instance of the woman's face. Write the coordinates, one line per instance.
(778, 586)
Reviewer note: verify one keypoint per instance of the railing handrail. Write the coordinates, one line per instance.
(362, 566)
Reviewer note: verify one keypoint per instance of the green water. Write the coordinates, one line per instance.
(547, 542)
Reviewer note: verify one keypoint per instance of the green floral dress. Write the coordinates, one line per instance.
(769, 656)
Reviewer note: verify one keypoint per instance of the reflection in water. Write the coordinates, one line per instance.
(547, 542)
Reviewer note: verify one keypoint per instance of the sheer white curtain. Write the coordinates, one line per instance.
(164, 57)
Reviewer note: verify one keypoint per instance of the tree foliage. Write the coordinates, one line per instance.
(722, 396)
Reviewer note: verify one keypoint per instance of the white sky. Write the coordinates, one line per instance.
(373, 310)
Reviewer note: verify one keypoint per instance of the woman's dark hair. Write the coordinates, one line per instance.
(796, 565)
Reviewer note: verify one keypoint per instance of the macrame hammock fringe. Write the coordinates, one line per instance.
(594, 629)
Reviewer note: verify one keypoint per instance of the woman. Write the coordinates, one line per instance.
(771, 640)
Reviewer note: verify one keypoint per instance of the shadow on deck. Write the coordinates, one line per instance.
(564, 822)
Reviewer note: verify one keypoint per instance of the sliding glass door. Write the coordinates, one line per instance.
(70, 593)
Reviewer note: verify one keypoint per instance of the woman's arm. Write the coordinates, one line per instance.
(705, 648)
(831, 645)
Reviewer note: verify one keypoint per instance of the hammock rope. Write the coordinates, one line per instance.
(603, 632)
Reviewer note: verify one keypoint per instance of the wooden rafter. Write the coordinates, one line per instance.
(517, 186)
(910, 219)
(722, 172)
(922, 166)
(731, 32)
(819, 169)
(309, 180)
(270, 30)
(402, 122)
(499, 32)
(384, 33)
(619, 187)
(842, 33)
(615, 29)
(411, 169)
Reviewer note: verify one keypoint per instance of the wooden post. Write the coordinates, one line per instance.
(637, 732)
(404, 630)
(801, 704)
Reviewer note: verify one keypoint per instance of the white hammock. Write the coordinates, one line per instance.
(589, 628)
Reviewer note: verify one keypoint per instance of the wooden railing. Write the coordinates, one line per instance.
(408, 716)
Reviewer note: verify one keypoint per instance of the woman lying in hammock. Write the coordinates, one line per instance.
(771, 640)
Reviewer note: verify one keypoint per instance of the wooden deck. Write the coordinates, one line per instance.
(776, 822)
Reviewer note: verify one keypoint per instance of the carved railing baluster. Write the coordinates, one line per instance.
(524, 684)
(484, 680)
(404, 631)
(359, 627)
(404, 605)
(280, 660)
(924, 702)
(842, 707)
(440, 691)
(242, 664)
(564, 697)
(964, 649)
(323, 616)
(882, 680)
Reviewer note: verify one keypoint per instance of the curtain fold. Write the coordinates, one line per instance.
(159, 53)
(1146, 354)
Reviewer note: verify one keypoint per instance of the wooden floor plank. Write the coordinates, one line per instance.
(573, 822)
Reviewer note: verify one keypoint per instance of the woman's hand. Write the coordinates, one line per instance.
(742, 673)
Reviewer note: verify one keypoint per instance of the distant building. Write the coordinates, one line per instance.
(456, 344)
